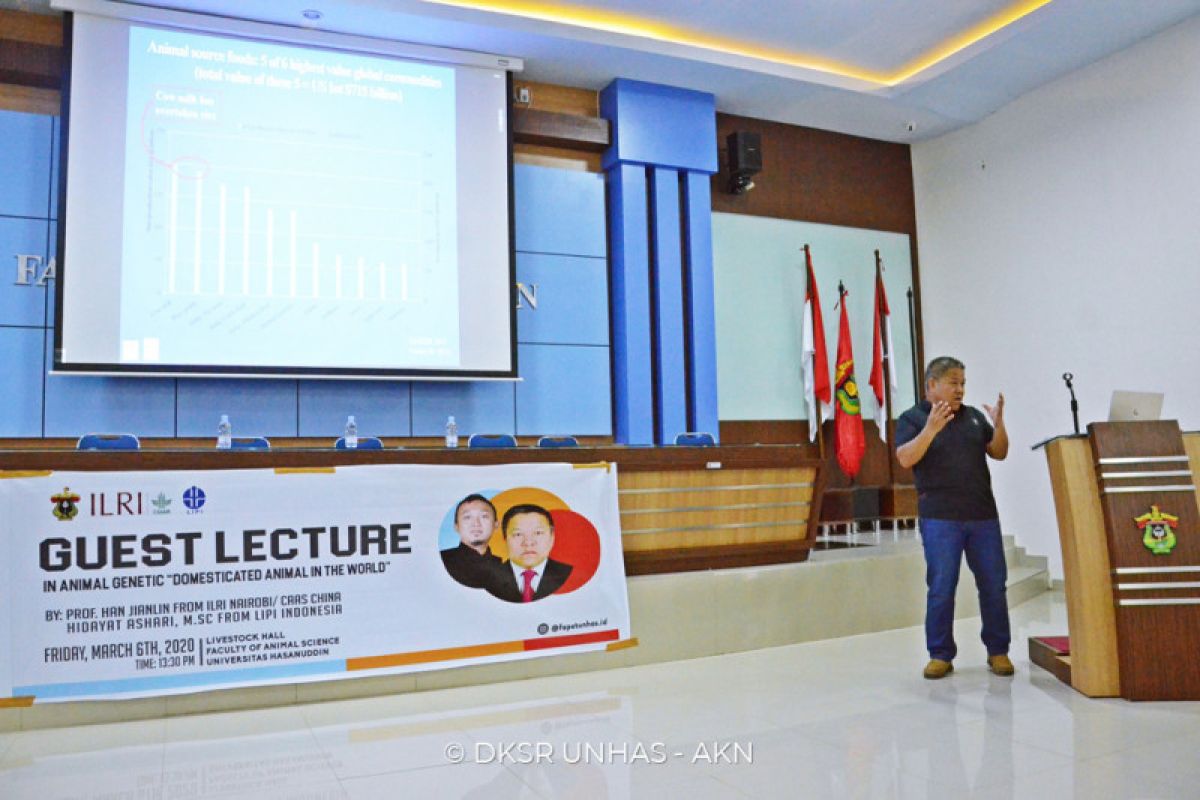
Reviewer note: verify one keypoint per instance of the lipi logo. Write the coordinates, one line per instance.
(193, 499)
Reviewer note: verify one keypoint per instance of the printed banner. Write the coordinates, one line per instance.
(133, 584)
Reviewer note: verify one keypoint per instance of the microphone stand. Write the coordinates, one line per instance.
(1068, 377)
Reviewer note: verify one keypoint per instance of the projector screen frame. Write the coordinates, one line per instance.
(255, 31)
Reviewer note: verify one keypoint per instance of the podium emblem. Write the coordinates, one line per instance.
(1158, 530)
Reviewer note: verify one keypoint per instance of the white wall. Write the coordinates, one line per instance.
(1063, 234)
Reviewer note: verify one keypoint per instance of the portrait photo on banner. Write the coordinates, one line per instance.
(519, 545)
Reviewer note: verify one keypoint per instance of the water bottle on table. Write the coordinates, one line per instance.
(451, 432)
(351, 435)
(224, 433)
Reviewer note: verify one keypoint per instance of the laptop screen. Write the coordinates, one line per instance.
(1135, 406)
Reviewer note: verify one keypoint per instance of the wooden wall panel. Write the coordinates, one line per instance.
(834, 179)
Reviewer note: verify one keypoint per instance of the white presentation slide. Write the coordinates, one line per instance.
(282, 208)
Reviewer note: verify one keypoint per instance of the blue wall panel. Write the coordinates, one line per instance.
(477, 407)
(54, 161)
(77, 404)
(559, 211)
(667, 266)
(22, 305)
(572, 297)
(660, 125)
(255, 407)
(381, 408)
(561, 237)
(21, 409)
(25, 164)
(565, 390)
(52, 250)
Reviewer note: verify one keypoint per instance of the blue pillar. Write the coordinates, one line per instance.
(664, 147)
(633, 411)
(698, 269)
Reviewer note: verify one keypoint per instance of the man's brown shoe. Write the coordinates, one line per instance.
(1000, 665)
(936, 668)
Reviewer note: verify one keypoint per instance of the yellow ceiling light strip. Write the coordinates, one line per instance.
(628, 25)
(970, 36)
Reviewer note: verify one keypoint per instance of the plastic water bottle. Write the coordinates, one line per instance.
(451, 432)
(351, 435)
(224, 433)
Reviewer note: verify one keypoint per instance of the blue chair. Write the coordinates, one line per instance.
(558, 441)
(249, 443)
(364, 443)
(108, 441)
(695, 439)
(491, 440)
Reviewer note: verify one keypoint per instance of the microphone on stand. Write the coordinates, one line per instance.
(1068, 377)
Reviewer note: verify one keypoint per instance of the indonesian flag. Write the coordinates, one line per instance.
(849, 439)
(814, 358)
(882, 339)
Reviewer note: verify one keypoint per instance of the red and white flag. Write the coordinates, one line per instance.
(814, 359)
(882, 350)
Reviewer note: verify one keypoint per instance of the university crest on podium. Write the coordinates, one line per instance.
(1158, 530)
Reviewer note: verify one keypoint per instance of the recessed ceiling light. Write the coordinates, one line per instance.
(311, 14)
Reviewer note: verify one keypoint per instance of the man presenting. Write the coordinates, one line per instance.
(530, 573)
(946, 444)
(472, 561)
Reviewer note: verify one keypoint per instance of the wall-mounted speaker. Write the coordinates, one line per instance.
(745, 153)
(745, 160)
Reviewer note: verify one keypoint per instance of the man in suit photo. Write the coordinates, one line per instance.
(529, 574)
(472, 562)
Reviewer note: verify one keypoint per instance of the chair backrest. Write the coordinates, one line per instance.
(250, 443)
(558, 441)
(364, 443)
(108, 441)
(491, 440)
(695, 439)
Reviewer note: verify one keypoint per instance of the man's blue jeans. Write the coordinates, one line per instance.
(945, 541)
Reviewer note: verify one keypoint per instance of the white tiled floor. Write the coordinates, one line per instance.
(841, 718)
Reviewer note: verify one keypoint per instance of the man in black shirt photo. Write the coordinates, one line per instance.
(946, 444)
(471, 562)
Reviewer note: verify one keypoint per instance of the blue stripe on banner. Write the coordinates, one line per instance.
(197, 680)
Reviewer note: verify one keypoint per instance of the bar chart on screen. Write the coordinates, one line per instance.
(263, 210)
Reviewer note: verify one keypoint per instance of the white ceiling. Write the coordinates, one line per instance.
(765, 59)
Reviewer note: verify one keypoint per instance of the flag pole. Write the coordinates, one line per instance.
(918, 387)
(842, 300)
(816, 409)
(887, 375)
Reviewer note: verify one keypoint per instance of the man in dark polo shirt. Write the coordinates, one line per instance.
(946, 444)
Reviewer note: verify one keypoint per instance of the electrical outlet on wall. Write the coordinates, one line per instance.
(524, 95)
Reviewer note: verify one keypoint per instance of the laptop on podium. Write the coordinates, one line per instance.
(1135, 406)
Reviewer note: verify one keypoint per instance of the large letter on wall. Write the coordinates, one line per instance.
(664, 347)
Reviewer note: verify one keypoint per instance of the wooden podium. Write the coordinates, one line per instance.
(1130, 530)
